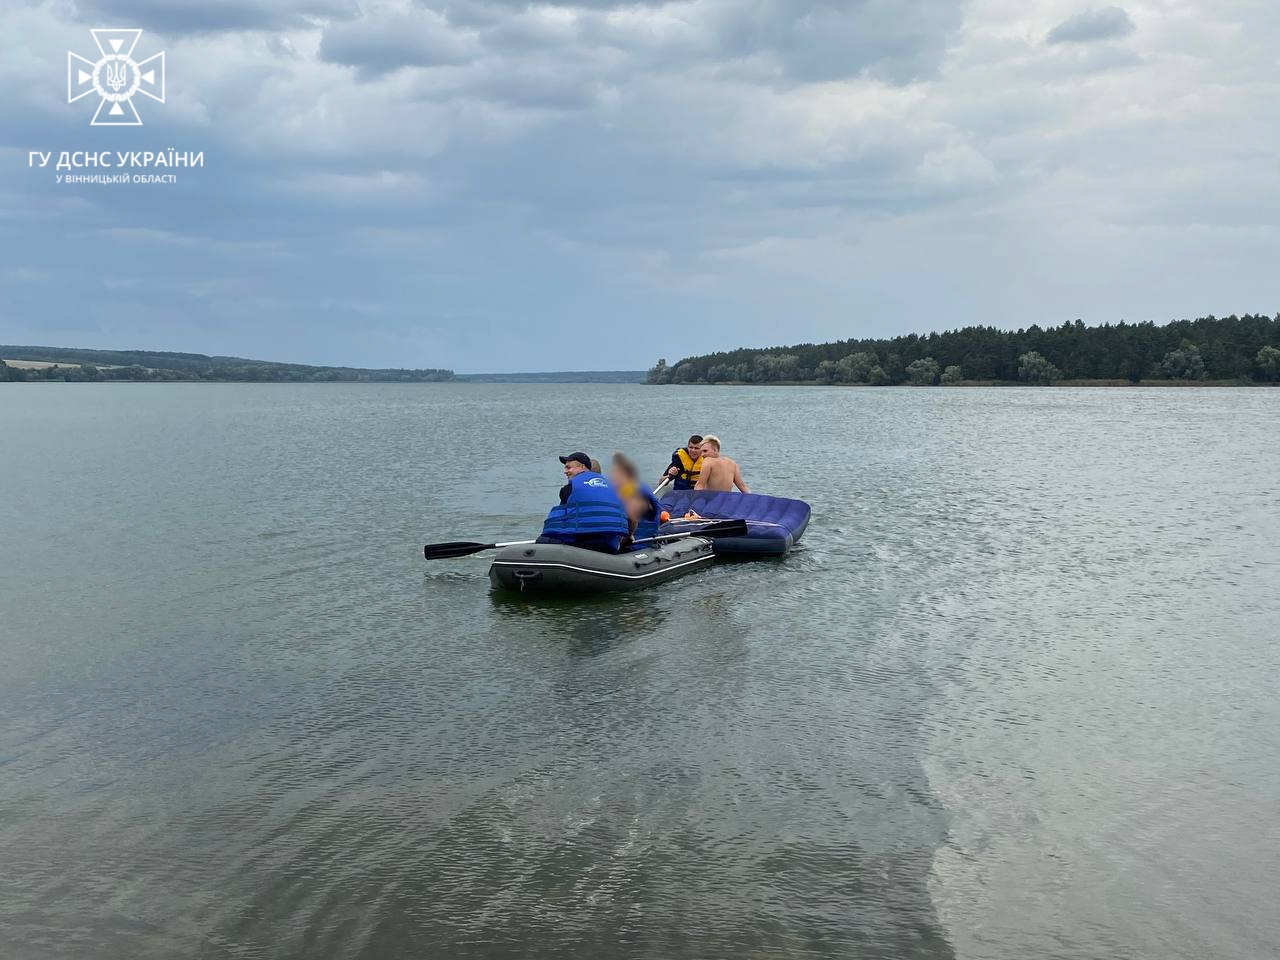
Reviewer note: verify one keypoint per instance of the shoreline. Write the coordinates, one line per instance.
(1113, 384)
(1109, 384)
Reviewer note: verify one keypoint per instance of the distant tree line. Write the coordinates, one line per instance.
(97, 365)
(559, 376)
(1242, 349)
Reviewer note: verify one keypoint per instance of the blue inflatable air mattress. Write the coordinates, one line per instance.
(774, 524)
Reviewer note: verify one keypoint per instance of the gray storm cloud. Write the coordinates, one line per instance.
(1103, 24)
(470, 183)
(378, 44)
(209, 16)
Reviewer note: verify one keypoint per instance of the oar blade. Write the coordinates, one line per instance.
(455, 548)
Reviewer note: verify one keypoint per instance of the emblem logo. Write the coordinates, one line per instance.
(115, 77)
(597, 482)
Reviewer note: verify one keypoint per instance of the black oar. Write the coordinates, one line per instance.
(721, 528)
(465, 548)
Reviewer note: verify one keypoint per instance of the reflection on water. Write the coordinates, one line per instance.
(1011, 697)
(588, 627)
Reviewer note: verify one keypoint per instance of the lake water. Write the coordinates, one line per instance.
(1014, 695)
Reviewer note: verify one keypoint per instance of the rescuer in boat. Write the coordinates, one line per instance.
(686, 464)
(643, 509)
(590, 513)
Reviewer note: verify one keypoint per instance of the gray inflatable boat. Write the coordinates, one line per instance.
(557, 568)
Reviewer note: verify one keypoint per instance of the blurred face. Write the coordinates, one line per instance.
(618, 477)
(695, 450)
(572, 469)
(710, 450)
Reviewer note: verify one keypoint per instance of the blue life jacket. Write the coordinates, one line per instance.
(592, 510)
(647, 525)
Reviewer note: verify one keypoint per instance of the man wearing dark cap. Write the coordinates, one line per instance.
(589, 514)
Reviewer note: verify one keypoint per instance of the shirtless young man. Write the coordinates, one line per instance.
(718, 473)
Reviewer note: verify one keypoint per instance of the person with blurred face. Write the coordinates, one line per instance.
(718, 473)
(686, 463)
(590, 513)
(643, 509)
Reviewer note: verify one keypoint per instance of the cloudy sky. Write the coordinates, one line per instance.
(505, 185)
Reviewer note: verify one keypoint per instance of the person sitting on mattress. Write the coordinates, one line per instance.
(590, 513)
(686, 463)
(718, 473)
(643, 508)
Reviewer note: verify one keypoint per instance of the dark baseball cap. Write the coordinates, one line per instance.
(580, 457)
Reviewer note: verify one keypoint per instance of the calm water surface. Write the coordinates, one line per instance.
(1015, 695)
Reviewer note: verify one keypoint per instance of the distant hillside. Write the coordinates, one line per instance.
(564, 376)
(1228, 349)
(71, 363)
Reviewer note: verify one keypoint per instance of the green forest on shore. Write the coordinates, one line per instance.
(1244, 349)
(73, 364)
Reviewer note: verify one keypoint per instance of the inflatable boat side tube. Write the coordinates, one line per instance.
(557, 568)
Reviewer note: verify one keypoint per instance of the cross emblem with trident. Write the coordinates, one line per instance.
(115, 77)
